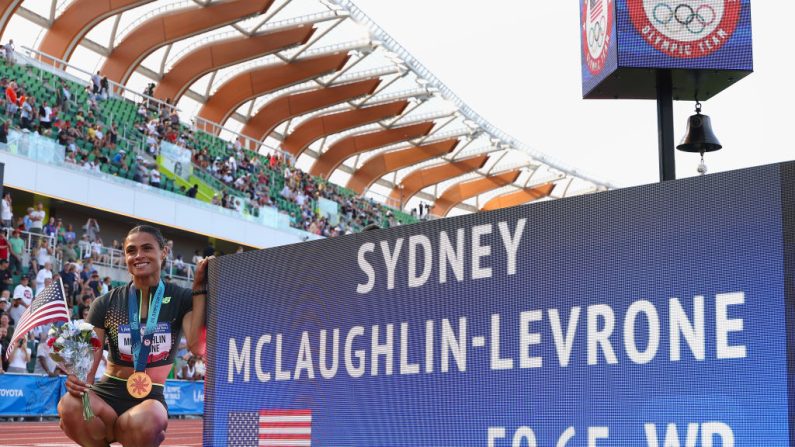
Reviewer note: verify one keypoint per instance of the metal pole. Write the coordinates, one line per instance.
(665, 125)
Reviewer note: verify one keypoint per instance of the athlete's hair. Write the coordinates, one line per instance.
(161, 241)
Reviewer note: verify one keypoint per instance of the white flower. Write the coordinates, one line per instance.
(83, 326)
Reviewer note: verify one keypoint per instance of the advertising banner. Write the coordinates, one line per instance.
(176, 159)
(37, 395)
(648, 316)
(29, 395)
(184, 397)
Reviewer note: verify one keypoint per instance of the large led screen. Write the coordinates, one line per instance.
(648, 316)
(694, 34)
(599, 56)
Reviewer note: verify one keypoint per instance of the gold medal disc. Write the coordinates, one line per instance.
(139, 385)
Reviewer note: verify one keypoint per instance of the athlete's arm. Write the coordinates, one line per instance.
(195, 320)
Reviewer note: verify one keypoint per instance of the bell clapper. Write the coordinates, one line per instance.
(702, 167)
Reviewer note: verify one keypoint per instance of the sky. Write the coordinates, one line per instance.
(517, 63)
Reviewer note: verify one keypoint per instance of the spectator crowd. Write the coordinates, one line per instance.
(246, 179)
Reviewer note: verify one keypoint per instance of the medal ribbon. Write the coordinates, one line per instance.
(141, 348)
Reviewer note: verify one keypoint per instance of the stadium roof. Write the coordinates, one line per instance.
(316, 79)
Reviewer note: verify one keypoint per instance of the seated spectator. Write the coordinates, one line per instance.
(96, 251)
(106, 285)
(5, 320)
(179, 266)
(188, 370)
(85, 302)
(16, 308)
(118, 157)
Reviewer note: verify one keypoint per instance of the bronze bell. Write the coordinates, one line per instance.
(699, 137)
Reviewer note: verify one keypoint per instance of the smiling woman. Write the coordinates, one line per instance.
(143, 322)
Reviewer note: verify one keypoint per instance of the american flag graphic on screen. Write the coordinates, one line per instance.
(596, 9)
(272, 428)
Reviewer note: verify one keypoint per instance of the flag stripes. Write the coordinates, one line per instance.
(47, 307)
(271, 428)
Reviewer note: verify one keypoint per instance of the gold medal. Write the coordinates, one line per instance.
(139, 385)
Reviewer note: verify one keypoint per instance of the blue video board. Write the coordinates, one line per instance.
(622, 35)
(598, 42)
(625, 318)
(693, 34)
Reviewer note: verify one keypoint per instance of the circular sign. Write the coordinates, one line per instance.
(597, 31)
(685, 28)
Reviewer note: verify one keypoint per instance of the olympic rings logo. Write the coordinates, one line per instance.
(596, 34)
(694, 20)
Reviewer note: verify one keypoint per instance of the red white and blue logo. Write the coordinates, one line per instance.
(597, 31)
(685, 28)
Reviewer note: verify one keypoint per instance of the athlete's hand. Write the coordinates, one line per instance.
(200, 280)
(75, 386)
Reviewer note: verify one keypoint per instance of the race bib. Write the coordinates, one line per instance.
(161, 342)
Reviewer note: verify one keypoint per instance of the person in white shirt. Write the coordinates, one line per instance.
(23, 291)
(37, 218)
(91, 166)
(47, 283)
(104, 286)
(9, 50)
(95, 82)
(44, 364)
(7, 215)
(19, 357)
(45, 115)
(43, 252)
(43, 275)
(154, 177)
(17, 307)
(28, 113)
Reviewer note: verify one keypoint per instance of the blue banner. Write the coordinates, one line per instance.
(36, 395)
(648, 316)
(184, 397)
(29, 395)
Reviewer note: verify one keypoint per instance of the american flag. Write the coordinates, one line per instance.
(48, 307)
(596, 9)
(272, 428)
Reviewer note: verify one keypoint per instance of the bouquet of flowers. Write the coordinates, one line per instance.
(73, 345)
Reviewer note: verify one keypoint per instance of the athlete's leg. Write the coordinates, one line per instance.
(96, 432)
(143, 425)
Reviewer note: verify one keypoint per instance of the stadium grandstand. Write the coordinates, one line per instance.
(232, 125)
